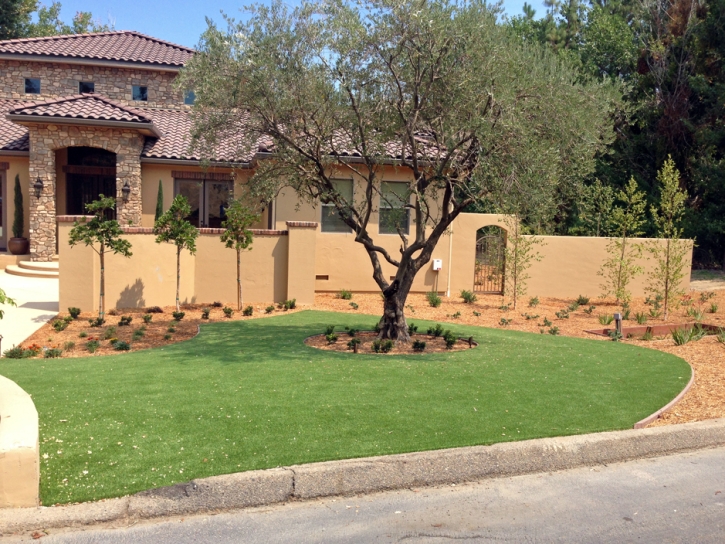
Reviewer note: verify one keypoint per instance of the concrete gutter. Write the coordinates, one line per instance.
(372, 474)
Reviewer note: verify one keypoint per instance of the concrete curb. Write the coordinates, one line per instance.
(262, 487)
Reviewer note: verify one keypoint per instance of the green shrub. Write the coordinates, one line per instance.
(450, 339)
(121, 346)
(329, 329)
(249, 310)
(60, 325)
(92, 345)
(354, 342)
(530, 317)
(217, 304)
(720, 336)
(505, 322)
(137, 335)
(469, 297)
(147, 318)
(178, 316)
(625, 314)
(533, 302)
(74, 312)
(52, 353)
(696, 313)
(412, 328)
(456, 315)
(82, 334)
(605, 319)
(615, 335)
(681, 336)
(505, 307)
(354, 305)
(351, 331)
(554, 331)
(171, 329)
(167, 336)
(269, 309)
(654, 313)
(96, 322)
(589, 310)
(17, 352)
(546, 323)
(477, 314)
(125, 321)
(331, 338)
(382, 346)
(205, 313)
(68, 346)
(228, 312)
(433, 299)
(290, 304)
(582, 300)
(641, 318)
(705, 296)
(110, 332)
(435, 331)
(563, 314)
(344, 294)
(573, 307)
(418, 345)
(713, 308)
(647, 336)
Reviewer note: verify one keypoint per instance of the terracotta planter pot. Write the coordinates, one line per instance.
(19, 246)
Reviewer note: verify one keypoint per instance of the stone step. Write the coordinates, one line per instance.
(29, 273)
(43, 267)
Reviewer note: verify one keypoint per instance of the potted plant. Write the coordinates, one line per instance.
(18, 245)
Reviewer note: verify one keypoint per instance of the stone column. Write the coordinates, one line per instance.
(128, 170)
(41, 223)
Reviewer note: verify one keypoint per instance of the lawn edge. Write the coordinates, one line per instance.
(374, 474)
(652, 417)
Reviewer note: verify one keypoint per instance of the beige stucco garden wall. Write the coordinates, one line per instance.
(19, 447)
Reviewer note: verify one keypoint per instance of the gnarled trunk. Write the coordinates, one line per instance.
(393, 325)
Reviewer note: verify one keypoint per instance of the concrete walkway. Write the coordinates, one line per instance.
(37, 301)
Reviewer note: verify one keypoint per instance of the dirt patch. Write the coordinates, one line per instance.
(433, 344)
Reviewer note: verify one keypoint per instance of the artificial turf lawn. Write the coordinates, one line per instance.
(250, 395)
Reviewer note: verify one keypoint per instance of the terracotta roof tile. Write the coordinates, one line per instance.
(81, 106)
(12, 137)
(122, 45)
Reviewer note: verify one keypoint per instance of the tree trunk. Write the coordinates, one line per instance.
(102, 301)
(178, 275)
(393, 325)
(239, 280)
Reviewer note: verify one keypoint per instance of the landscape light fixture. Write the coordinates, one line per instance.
(126, 191)
(618, 322)
(38, 186)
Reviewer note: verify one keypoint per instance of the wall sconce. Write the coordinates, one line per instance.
(38, 186)
(126, 191)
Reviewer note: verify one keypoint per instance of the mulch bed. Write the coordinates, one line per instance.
(433, 344)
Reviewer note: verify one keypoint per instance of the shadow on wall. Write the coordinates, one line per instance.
(132, 296)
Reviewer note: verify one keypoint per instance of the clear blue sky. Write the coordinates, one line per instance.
(182, 21)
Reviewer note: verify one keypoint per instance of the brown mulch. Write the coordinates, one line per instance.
(705, 400)
(432, 344)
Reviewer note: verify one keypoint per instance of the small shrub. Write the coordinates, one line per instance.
(582, 300)
(654, 313)
(171, 329)
(505, 307)
(137, 335)
(647, 336)
(530, 317)
(82, 334)
(589, 310)
(68, 319)
(681, 336)
(290, 304)
(147, 318)
(477, 314)
(573, 307)
(121, 346)
(382, 346)
(92, 345)
(450, 339)
(228, 312)
(686, 301)
(178, 316)
(713, 308)
(351, 331)
(720, 336)
(52, 353)
(205, 313)
(456, 315)
(216, 305)
(269, 309)
(113, 341)
(435, 331)
(96, 322)
(433, 299)
(354, 305)
(16, 352)
(60, 325)
(505, 322)
(698, 332)
(641, 318)
(469, 297)
(625, 314)
(605, 319)
(615, 335)
(547, 323)
(418, 345)
(125, 321)
(110, 332)
(533, 302)
(705, 296)
(249, 310)
(74, 312)
(167, 336)
(554, 331)
(410, 307)
(331, 338)
(655, 302)
(412, 328)
(696, 313)
(563, 314)
(329, 329)
(68, 346)
(344, 294)
(112, 311)
(154, 310)
(353, 343)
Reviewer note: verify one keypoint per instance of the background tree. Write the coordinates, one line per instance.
(16, 20)
(627, 220)
(439, 86)
(174, 228)
(237, 236)
(594, 210)
(520, 254)
(19, 217)
(4, 299)
(104, 232)
(159, 202)
(670, 255)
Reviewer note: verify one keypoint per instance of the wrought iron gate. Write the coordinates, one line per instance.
(490, 262)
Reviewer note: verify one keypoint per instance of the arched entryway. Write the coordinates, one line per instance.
(86, 173)
(490, 271)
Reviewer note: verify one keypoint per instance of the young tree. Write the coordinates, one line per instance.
(627, 220)
(437, 88)
(670, 253)
(520, 254)
(104, 232)
(159, 202)
(4, 299)
(173, 227)
(237, 236)
(19, 218)
(595, 208)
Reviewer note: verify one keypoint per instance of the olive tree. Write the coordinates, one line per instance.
(237, 236)
(5, 299)
(436, 89)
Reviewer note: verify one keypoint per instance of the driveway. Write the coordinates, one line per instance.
(37, 300)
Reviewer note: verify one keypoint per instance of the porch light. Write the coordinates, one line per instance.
(38, 186)
(126, 191)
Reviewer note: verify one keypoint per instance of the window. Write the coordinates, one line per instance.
(394, 216)
(189, 98)
(86, 87)
(32, 85)
(331, 220)
(140, 93)
(209, 200)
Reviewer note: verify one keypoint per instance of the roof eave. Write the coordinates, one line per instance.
(91, 62)
(147, 129)
(194, 162)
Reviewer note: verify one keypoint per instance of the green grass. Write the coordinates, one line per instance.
(250, 395)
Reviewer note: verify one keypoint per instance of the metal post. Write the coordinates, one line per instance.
(618, 322)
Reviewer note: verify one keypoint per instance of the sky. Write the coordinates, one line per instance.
(183, 21)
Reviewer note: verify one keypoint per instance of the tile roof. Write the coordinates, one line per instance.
(123, 45)
(81, 106)
(12, 137)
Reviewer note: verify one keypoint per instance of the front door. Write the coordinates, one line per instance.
(208, 200)
(82, 189)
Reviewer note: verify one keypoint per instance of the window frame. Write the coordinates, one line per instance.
(385, 206)
(92, 85)
(145, 93)
(189, 98)
(30, 79)
(324, 206)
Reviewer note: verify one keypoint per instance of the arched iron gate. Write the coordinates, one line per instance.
(490, 261)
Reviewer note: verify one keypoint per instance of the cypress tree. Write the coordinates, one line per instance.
(159, 202)
(19, 220)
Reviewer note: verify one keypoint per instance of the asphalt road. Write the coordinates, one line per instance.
(680, 498)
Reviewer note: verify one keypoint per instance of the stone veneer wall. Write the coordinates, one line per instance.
(44, 141)
(58, 80)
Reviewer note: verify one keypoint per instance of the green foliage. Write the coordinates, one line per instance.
(19, 219)
(620, 267)
(647, 336)
(238, 236)
(82, 334)
(92, 345)
(450, 339)
(469, 297)
(96, 322)
(606, 319)
(682, 336)
(269, 309)
(573, 307)
(713, 308)
(331, 338)
(228, 312)
(563, 314)
(589, 310)
(382, 346)
(32, 19)
(167, 337)
(582, 300)
(696, 313)
(354, 305)
(615, 335)
(147, 318)
(505, 307)
(547, 323)
(178, 316)
(505, 322)
(4, 299)
(476, 314)
(248, 311)
(74, 312)
(554, 331)
(60, 325)
(121, 346)
(533, 302)
(436, 330)
(412, 329)
(521, 253)
(344, 294)
(109, 333)
(418, 345)
(205, 313)
(329, 329)
(138, 334)
(720, 336)
(353, 343)
(18, 352)
(68, 346)
(433, 299)
(171, 328)
(529, 317)
(159, 202)
(456, 315)
(290, 304)
(125, 321)
(641, 318)
(52, 353)
(595, 208)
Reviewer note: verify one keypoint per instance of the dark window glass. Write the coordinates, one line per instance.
(140, 93)
(189, 98)
(394, 216)
(32, 85)
(331, 220)
(86, 87)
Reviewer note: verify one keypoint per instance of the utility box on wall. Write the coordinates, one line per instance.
(437, 264)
